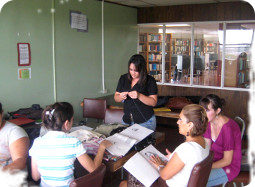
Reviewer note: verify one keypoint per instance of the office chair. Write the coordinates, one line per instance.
(113, 115)
(201, 171)
(94, 179)
(94, 108)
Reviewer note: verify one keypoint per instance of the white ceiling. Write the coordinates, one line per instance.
(152, 3)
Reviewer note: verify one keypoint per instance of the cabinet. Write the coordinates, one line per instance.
(150, 46)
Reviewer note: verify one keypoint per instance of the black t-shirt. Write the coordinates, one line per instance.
(140, 112)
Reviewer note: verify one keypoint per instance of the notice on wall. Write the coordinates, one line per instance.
(78, 21)
(24, 73)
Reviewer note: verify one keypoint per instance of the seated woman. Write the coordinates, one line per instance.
(192, 124)
(53, 155)
(224, 138)
(14, 145)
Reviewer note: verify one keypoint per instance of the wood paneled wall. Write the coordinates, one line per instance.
(228, 11)
(236, 101)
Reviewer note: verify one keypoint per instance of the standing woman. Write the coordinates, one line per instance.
(224, 137)
(138, 91)
(14, 144)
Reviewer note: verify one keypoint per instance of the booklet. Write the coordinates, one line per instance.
(122, 142)
(141, 168)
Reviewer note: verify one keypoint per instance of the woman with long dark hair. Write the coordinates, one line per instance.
(138, 91)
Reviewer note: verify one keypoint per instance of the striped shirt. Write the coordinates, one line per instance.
(55, 154)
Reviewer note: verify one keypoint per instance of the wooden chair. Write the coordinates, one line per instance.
(201, 171)
(94, 108)
(94, 179)
(113, 115)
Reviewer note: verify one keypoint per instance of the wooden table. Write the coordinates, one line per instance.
(167, 114)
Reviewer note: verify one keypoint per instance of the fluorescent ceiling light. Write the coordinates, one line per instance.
(175, 25)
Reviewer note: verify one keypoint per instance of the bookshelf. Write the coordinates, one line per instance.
(242, 80)
(150, 46)
(211, 47)
(180, 46)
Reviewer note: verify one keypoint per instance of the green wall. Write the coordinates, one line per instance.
(78, 55)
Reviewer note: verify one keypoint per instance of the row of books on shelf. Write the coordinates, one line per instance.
(155, 66)
(182, 42)
(156, 47)
(155, 37)
(243, 77)
(155, 57)
(243, 64)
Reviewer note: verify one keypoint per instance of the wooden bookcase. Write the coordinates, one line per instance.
(150, 46)
(242, 80)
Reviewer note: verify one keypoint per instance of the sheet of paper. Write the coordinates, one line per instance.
(137, 132)
(120, 144)
(141, 169)
(151, 150)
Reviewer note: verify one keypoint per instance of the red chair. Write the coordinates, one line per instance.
(94, 179)
(94, 108)
(113, 115)
(201, 171)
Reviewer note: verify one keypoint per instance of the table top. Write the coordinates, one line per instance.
(167, 114)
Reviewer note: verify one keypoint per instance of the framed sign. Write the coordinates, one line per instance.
(24, 55)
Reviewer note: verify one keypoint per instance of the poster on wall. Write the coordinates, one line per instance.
(24, 56)
(24, 73)
(78, 21)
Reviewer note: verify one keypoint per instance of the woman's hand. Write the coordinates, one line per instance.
(156, 161)
(133, 94)
(123, 95)
(104, 144)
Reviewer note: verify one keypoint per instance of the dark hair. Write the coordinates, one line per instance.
(140, 66)
(54, 116)
(1, 109)
(215, 100)
(197, 115)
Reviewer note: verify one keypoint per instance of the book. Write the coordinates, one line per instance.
(122, 142)
(140, 167)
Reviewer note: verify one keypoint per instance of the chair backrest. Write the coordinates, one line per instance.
(94, 108)
(94, 179)
(201, 171)
(113, 115)
(241, 124)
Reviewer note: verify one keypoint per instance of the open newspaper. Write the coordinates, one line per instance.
(122, 142)
(141, 168)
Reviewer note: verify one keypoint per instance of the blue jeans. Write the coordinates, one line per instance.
(217, 177)
(150, 124)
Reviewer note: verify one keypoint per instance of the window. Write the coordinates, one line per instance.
(196, 54)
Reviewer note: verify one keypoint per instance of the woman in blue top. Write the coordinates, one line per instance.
(53, 154)
(138, 91)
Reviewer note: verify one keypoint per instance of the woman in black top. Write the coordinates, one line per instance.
(138, 91)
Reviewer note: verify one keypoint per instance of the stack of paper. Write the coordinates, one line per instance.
(122, 142)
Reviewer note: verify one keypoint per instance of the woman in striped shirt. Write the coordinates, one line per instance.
(53, 155)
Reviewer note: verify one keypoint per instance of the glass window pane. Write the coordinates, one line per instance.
(178, 55)
(207, 55)
(238, 54)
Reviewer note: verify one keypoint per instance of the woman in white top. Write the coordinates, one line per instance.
(14, 144)
(192, 124)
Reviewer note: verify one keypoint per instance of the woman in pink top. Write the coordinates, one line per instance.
(224, 136)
